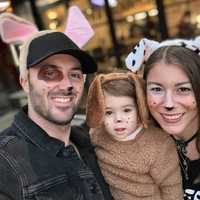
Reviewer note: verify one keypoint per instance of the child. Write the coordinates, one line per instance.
(137, 162)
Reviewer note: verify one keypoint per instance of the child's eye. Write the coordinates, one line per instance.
(127, 110)
(108, 112)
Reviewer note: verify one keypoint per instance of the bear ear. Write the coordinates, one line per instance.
(78, 28)
(140, 99)
(95, 103)
(14, 29)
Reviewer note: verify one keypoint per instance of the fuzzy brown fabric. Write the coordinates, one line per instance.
(145, 168)
(95, 100)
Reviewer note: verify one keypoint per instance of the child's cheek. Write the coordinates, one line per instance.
(127, 121)
(130, 120)
(107, 124)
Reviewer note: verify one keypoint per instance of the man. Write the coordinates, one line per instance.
(41, 156)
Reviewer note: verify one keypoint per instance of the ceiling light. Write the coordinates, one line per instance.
(45, 2)
(140, 16)
(4, 5)
(153, 12)
(52, 15)
(112, 3)
(89, 11)
(130, 18)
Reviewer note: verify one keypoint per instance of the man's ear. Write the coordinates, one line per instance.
(24, 83)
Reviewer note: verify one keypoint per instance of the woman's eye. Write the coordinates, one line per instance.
(156, 89)
(184, 90)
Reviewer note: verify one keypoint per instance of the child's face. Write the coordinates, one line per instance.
(121, 117)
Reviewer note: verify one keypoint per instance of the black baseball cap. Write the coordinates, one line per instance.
(48, 43)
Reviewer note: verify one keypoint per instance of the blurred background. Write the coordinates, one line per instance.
(118, 26)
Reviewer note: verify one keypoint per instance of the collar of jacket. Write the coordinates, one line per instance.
(36, 135)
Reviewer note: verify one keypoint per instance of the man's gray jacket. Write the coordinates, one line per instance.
(34, 166)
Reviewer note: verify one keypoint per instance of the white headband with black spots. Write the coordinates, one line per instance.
(146, 47)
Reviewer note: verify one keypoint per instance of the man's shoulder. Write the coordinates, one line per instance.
(11, 144)
(6, 136)
(80, 136)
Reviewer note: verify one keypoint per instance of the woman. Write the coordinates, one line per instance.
(172, 74)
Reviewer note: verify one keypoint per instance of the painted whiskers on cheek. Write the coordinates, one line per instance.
(152, 104)
(129, 120)
(193, 105)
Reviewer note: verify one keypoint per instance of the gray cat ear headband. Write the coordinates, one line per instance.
(146, 47)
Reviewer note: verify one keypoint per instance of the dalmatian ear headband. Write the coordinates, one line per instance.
(146, 47)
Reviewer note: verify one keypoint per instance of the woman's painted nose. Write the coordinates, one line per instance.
(168, 101)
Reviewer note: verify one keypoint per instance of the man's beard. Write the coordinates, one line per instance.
(41, 108)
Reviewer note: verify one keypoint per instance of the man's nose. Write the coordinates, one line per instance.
(66, 83)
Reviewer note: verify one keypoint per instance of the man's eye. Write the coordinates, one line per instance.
(76, 75)
(50, 75)
(53, 75)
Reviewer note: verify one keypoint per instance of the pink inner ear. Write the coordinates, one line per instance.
(16, 31)
(78, 27)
